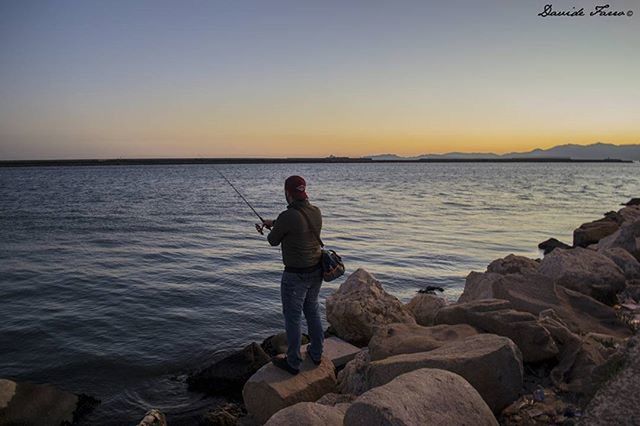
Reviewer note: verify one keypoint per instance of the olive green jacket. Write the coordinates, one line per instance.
(300, 248)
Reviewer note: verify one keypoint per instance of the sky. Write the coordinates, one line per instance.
(134, 79)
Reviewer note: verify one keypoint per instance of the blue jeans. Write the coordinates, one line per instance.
(299, 293)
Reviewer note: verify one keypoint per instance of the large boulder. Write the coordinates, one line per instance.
(628, 264)
(617, 402)
(32, 404)
(627, 237)
(592, 232)
(586, 271)
(424, 307)
(535, 293)
(496, 317)
(360, 305)
(308, 414)
(491, 364)
(227, 376)
(421, 397)
(396, 339)
(513, 264)
(272, 389)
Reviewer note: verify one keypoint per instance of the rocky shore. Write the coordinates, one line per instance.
(529, 341)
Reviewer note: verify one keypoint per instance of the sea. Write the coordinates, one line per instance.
(117, 281)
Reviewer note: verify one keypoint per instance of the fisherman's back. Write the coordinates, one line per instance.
(300, 246)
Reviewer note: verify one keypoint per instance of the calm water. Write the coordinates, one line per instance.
(115, 281)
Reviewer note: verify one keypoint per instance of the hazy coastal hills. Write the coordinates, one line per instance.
(597, 151)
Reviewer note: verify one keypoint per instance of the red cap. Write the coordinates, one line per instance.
(296, 186)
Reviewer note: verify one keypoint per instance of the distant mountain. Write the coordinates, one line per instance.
(596, 151)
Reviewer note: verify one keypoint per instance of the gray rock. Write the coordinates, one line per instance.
(586, 271)
(592, 232)
(617, 402)
(336, 399)
(272, 389)
(396, 339)
(228, 376)
(421, 397)
(424, 307)
(32, 404)
(352, 379)
(496, 317)
(360, 305)
(625, 261)
(308, 414)
(513, 264)
(627, 237)
(475, 358)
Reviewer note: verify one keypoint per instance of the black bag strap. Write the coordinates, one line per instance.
(313, 230)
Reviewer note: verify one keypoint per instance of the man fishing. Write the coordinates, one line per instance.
(298, 230)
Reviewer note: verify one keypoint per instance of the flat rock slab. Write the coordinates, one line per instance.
(338, 351)
(396, 339)
(421, 397)
(308, 414)
(272, 389)
(29, 404)
(495, 316)
(491, 364)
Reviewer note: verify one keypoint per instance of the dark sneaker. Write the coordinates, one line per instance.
(311, 358)
(283, 364)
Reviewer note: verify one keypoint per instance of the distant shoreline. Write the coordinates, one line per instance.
(326, 160)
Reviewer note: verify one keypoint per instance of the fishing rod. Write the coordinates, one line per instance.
(243, 199)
